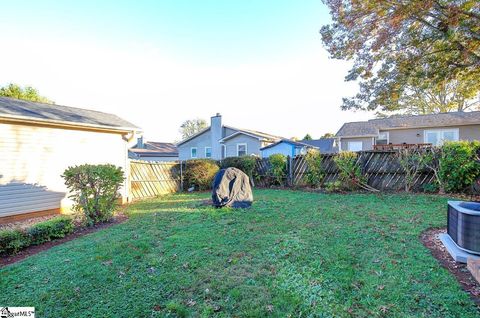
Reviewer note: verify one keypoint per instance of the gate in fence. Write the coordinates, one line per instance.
(149, 179)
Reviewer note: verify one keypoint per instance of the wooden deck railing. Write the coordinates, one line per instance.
(401, 146)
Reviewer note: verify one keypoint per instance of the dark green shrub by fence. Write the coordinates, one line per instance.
(278, 168)
(12, 241)
(199, 173)
(244, 163)
(458, 168)
(94, 190)
(52, 229)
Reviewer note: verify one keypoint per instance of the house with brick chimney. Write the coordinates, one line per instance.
(219, 141)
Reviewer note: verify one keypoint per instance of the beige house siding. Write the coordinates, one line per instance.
(367, 143)
(416, 135)
(32, 159)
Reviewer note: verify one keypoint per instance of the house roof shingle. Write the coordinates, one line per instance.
(325, 145)
(238, 130)
(27, 110)
(156, 149)
(372, 126)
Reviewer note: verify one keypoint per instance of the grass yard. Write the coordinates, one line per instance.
(292, 254)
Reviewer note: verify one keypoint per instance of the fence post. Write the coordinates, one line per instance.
(290, 171)
(181, 176)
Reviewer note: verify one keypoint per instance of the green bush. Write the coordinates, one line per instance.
(244, 163)
(430, 188)
(458, 168)
(199, 173)
(278, 168)
(94, 190)
(52, 229)
(333, 186)
(12, 241)
(314, 174)
(350, 173)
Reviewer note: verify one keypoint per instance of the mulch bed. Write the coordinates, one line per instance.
(430, 239)
(34, 249)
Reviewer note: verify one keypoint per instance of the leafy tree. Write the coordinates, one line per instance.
(401, 47)
(328, 135)
(26, 93)
(307, 137)
(192, 126)
(445, 98)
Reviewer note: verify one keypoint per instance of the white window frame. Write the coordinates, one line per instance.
(440, 132)
(246, 148)
(355, 142)
(224, 151)
(191, 152)
(206, 152)
(384, 132)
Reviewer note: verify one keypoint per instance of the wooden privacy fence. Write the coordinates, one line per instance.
(150, 179)
(381, 169)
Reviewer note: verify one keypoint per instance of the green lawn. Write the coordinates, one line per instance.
(292, 254)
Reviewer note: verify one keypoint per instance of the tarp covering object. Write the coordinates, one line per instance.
(231, 187)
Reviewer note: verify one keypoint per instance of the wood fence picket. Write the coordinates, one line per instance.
(150, 179)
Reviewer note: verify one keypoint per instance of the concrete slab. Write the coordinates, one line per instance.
(474, 267)
(457, 254)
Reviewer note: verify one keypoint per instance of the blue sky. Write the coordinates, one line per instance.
(156, 63)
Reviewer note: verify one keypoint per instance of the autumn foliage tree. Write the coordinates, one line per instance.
(408, 51)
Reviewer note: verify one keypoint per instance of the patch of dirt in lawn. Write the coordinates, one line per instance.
(34, 249)
(430, 239)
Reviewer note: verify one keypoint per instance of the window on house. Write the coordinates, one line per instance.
(437, 137)
(193, 152)
(241, 150)
(383, 138)
(208, 152)
(355, 146)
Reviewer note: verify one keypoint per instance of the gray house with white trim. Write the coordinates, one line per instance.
(433, 129)
(219, 141)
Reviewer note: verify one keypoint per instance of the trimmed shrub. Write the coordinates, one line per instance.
(12, 241)
(199, 173)
(314, 174)
(244, 163)
(52, 229)
(458, 168)
(94, 190)
(278, 168)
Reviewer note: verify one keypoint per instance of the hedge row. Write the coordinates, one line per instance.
(455, 166)
(199, 173)
(14, 240)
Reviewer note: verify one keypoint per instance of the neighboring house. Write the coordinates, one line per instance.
(398, 131)
(324, 145)
(286, 147)
(219, 141)
(153, 151)
(293, 148)
(39, 141)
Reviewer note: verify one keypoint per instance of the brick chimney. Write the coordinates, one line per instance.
(216, 133)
